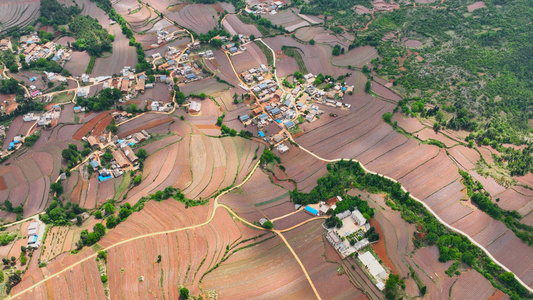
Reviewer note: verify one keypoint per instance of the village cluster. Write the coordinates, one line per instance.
(274, 105)
(123, 157)
(264, 7)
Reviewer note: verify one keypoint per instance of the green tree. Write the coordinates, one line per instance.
(268, 225)
(368, 86)
(137, 180)
(184, 293)
(142, 154)
(312, 42)
(57, 188)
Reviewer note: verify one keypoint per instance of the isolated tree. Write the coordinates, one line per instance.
(368, 86)
(184, 293)
(57, 188)
(312, 42)
(109, 208)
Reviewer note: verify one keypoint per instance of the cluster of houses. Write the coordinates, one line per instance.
(33, 51)
(267, 7)
(233, 48)
(160, 106)
(333, 97)
(124, 158)
(48, 118)
(5, 44)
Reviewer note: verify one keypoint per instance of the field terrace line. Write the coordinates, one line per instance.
(216, 205)
(428, 208)
(403, 188)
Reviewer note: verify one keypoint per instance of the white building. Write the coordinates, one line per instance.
(155, 106)
(358, 217)
(344, 214)
(374, 267)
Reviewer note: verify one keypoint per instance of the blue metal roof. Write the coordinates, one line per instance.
(261, 134)
(244, 118)
(311, 210)
(104, 178)
(263, 116)
(191, 76)
(289, 124)
(94, 164)
(233, 49)
(275, 111)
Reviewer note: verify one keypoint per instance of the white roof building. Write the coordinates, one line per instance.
(373, 266)
(195, 106)
(358, 217)
(344, 214)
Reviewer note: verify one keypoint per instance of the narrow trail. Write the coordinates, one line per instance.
(450, 227)
(211, 217)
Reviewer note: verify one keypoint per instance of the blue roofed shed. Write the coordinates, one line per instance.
(311, 210)
(263, 86)
(276, 111)
(104, 178)
(244, 118)
(263, 117)
(94, 164)
(289, 124)
(191, 76)
(233, 49)
(261, 134)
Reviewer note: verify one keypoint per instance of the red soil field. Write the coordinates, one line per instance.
(287, 19)
(222, 67)
(357, 57)
(144, 122)
(412, 44)
(123, 55)
(428, 133)
(316, 57)
(464, 156)
(207, 86)
(408, 124)
(88, 127)
(476, 6)
(199, 18)
(78, 63)
(379, 247)
(234, 25)
(308, 243)
(286, 66)
(258, 276)
(253, 57)
(472, 285)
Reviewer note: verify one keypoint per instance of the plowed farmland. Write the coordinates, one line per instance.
(234, 25)
(184, 262)
(198, 165)
(427, 172)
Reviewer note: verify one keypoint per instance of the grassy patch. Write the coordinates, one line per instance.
(90, 66)
(294, 53)
(126, 180)
(266, 51)
(272, 200)
(247, 20)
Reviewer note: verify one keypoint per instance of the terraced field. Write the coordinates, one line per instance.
(18, 13)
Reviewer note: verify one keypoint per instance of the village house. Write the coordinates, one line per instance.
(120, 159)
(129, 153)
